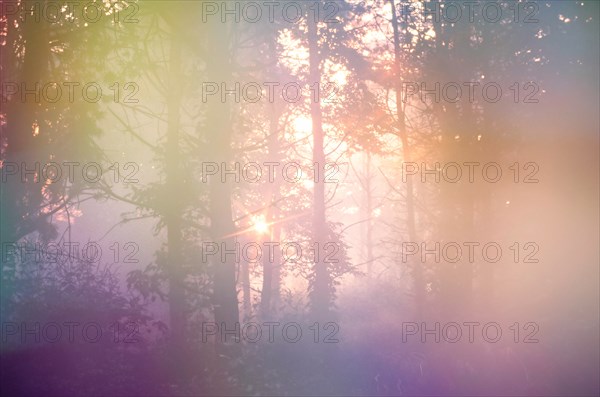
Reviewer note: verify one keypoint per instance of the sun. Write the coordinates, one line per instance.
(260, 225)
(302, 125)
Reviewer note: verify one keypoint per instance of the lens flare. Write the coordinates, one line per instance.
(260, 225)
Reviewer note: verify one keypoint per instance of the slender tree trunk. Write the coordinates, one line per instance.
(276, 278)
(369, 191)
(271, 272)
(219, 124)
(321, 294)
(267, 287)
(406, 154)
(271, 264)
(245, 269)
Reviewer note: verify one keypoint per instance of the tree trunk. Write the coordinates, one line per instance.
(245, 269)
(321, 294)
(272, 265)
(417, 267)
(20, 200)
(219, 125)
(369, 239)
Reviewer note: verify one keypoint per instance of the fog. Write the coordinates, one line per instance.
(300, 198)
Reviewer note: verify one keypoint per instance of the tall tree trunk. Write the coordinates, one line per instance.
(272, 265)
(219, 124)
(417, 268)
(321, 294)
(369, 199)
(20, 200)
